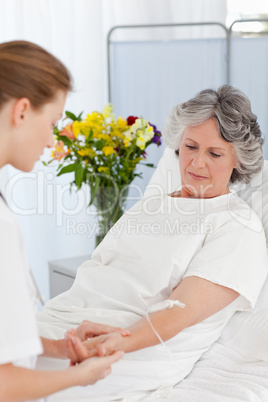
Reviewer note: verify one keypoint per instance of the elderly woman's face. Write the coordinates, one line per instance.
(206, 161)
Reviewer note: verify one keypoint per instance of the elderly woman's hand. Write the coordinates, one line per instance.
(102, 345)
(109, 344)
(88, 329)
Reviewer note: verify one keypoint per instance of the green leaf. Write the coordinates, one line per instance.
(71, 115)
(79, 118)
(148, 164)
(66, 140)
(56, 131)
(100, 144)
(48, 163)
(78, 178)
(67, 169)
(90, 135)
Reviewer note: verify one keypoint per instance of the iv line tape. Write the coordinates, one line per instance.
(165, 305)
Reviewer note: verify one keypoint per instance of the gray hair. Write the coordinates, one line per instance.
(236, 123)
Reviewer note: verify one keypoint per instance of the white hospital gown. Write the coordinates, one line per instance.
(145, 255)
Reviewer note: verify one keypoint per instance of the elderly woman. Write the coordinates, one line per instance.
(183, 263)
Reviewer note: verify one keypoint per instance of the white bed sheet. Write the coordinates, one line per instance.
(221, 375)
(234, 369)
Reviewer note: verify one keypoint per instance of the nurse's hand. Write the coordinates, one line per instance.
(76, 350)
(96, 368)
(88, 329)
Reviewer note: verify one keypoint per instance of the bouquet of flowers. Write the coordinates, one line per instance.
(104, 152)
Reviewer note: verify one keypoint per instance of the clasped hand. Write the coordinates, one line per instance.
(91, 339)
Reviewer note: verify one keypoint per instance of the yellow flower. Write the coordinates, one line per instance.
(103, 136)
(121, 124)
(116, 134)
(92, 122)
(141, 143)
(108, 150)
(103, 169)
(97, 133)
(86, 152)
(77, 128)
(148, 133)
(94, 118)
(126, 142)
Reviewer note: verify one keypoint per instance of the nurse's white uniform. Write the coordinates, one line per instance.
(19, 339)
(145, 255)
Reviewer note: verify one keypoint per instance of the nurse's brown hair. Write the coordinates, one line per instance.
(27, 70)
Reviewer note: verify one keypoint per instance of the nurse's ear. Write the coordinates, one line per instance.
(21, 108)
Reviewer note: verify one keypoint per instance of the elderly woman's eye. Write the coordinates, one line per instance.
(190, 146)
(215, 155)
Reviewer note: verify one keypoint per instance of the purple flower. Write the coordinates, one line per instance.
(157, 135)
(157, 138)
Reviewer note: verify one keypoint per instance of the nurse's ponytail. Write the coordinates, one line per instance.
(28, 70)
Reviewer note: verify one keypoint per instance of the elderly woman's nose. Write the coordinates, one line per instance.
(199, 160)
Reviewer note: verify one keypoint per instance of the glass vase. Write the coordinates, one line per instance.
(110, 203)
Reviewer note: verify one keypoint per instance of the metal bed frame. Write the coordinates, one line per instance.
(228, 36)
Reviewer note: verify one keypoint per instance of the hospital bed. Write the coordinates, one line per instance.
(235, 368)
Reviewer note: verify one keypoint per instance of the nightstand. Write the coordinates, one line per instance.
(62, 273)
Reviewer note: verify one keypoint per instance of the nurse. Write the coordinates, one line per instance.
(33, 89)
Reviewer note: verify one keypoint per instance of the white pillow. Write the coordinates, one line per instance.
(166, 179)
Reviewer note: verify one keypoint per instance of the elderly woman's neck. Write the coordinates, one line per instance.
(183, 193)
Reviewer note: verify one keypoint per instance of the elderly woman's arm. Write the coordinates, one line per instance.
(202, 299)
